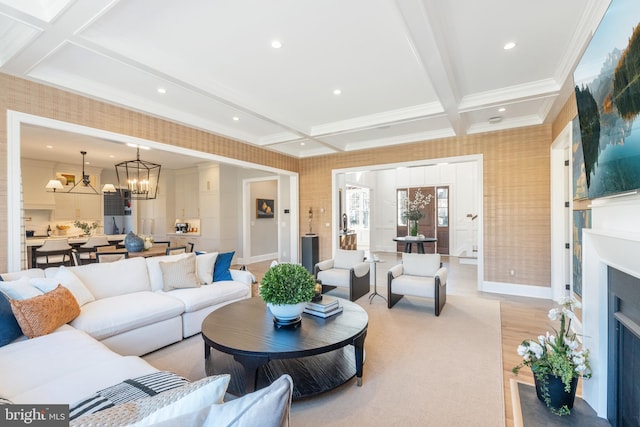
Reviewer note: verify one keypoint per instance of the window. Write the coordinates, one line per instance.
(402, 206)
(358, 207)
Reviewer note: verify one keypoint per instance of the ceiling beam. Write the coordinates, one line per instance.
(421, 34)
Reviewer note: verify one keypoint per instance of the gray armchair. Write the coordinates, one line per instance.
(420, 275)
(348, 270)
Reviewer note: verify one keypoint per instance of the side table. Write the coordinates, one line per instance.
(374, 261)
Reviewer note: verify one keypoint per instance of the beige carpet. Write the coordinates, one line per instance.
(420, 370)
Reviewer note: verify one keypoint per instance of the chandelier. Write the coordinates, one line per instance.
(82, 186)
(139, 177)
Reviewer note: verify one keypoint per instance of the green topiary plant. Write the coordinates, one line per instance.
(287, 284)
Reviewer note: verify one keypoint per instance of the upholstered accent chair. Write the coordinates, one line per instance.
(347, 269)
(420, 275)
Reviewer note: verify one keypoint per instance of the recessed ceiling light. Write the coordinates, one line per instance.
(111, 156)
(49, 146)
(162, 90)
(509, 46)
(337, 92)
(276, 44)
(502, 109)
(302, 143)
(236, 118)
(495, 119)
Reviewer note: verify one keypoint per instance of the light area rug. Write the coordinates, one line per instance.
(420, 370)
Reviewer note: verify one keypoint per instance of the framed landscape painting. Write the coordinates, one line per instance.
(265, 208)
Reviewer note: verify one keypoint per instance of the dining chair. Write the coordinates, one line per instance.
(164, 243)
(54, 253)
(111, 256)
(84, 251)
(176, 250)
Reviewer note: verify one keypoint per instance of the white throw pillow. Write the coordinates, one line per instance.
(347, 259)
(66, 278)
(20, 289)
(420, 264)
(179, 274)
(153, 268)
(204, 264)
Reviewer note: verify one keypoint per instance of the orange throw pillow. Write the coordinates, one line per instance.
(44, 314)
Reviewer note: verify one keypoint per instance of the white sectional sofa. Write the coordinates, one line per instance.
(126, 308)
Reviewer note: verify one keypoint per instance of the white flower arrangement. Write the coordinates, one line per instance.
(413, 208)
(148, 242)
(560, 355)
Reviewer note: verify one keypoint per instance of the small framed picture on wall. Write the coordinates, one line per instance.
(265, 208)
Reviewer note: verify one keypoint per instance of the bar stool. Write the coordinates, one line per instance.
(54, 253)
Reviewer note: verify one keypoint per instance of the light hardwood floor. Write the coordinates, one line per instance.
(521, 318)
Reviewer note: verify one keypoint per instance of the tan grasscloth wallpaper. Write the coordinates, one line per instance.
(516, 170)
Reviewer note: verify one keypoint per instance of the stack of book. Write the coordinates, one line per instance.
(324, 308)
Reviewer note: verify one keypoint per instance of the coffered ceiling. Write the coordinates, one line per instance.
(406, 70)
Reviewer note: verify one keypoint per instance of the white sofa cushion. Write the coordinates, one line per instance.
(347, 259)
(32, 272)
(106, 317)
(113, 278)
(335, 277)
(62, 367)
(420, 264)
(414, 285)
(206, 296)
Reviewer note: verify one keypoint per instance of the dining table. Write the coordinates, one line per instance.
(152, 251)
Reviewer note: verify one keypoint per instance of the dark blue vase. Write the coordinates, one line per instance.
(133, 243)
(558, 396)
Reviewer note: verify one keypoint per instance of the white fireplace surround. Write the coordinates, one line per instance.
(602, 248)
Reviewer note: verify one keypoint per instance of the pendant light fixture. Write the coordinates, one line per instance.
(139, 177)
(82, 186)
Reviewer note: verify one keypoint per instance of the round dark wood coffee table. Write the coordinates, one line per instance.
(320, 354)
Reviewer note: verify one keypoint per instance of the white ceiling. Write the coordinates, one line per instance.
(409, 70)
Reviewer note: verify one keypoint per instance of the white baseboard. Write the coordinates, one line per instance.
(518, 290)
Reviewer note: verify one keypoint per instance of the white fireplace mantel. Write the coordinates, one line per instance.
(600, 249)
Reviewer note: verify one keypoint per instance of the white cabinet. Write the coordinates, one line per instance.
(35, 176)
(186, 194)
(70, 206)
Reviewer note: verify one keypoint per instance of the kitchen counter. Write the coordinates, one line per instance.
(73, 240)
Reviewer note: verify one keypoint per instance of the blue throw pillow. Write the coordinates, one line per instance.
(221, 268)
(9, 328)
